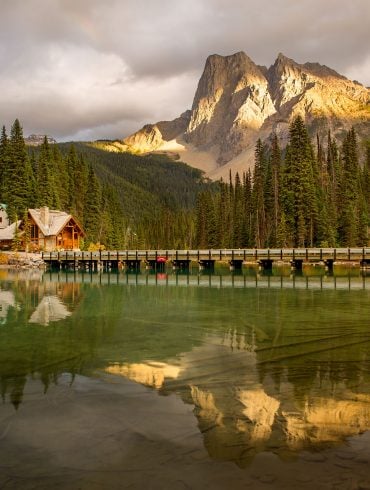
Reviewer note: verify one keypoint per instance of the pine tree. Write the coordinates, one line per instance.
(19, 177)
(238, 213)
(78, 179)
(93, 207)
(206, 227)
(46, 183)
(259, 214)
(61, 177)
(222, 211)
(4, 164)
(350, 190)
(247, 211)
(273, 191)
(26, 226)
(366, 177)
(299, 194)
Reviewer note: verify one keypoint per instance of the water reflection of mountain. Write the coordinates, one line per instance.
(265, 369)
(240, 414)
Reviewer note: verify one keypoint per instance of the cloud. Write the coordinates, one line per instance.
(102, 69)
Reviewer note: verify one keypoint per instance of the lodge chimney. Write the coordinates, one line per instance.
(44, 215)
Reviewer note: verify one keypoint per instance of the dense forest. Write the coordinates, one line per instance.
(303, 197)
(122, 200)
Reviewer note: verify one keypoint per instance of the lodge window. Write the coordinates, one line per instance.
(1, 219)
(34, 232)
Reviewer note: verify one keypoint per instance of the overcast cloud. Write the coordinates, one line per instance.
(88, 69)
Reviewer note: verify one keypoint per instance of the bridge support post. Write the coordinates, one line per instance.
(130, 264)
(266, 264)
(207, 264)
(181, 265)
(236, 264)
(297, 264)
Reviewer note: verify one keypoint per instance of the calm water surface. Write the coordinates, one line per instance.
(184, 381)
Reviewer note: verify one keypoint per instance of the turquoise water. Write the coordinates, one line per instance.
(109, 380)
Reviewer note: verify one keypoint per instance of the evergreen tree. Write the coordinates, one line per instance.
(222, 212)
(78, 179)
(237, 213)
(46, 178)
(299, 186)
(366, 177)
(273, 191)
(26, 226)
(61, 177)
(247, 210)
(4, 163)
(259, 214)
(350, 211)
(93, 208)
(206, 228)
(19, 178)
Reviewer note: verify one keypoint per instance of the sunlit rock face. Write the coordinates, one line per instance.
(154, 137)
(237, 102)
(149, 374)
(328, 420)
(231, 103)
(204, 401)
(261, 410)
(241, 414)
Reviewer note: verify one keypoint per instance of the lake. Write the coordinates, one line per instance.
(118, 380)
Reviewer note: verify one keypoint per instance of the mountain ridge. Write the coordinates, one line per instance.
(236, 102)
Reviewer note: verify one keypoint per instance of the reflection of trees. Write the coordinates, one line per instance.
(105, 324)
(29, 349)
(14, 386)
(259, 377)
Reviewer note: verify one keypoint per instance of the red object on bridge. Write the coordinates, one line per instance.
(161, 259)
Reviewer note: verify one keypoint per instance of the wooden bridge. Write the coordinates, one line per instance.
(182, 259)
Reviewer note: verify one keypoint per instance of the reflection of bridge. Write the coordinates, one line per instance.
(214, 280)
(207, 258)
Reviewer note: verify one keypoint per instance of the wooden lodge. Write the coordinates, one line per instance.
(53, 230)
(48, 230)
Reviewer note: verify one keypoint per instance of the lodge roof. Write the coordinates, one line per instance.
(50, 309)
(9, 232)
(51, 222)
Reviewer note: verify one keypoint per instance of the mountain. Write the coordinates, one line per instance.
(237, 102)
(38, 139)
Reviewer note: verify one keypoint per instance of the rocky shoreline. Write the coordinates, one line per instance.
(21, 260)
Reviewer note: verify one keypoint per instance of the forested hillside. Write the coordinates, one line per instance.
(304, 196)
(122, 200)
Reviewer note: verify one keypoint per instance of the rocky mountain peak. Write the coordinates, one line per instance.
(222, 72)
(237, 102)
(232, 96)
(38, 139)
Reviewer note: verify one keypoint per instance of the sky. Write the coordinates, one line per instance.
(94, 69)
